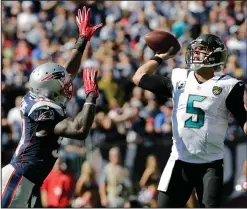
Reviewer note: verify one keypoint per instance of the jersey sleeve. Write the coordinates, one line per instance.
(157, 84)
(235, 103)
(46, 115)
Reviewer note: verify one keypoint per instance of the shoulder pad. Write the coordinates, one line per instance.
(179, 74)
(227, 82)
(46, 105)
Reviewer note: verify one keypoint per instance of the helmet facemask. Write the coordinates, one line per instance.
(68, 90)
(67, 87)
(199, 56)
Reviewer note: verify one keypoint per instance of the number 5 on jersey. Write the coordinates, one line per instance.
(189, 123)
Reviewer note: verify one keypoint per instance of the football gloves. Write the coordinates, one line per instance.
(89, 82)
(82, 20)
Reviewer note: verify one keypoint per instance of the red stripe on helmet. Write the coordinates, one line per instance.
(47, 77)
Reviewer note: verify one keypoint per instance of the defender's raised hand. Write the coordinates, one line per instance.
(86, 31)
(82, 20)
(89, 82)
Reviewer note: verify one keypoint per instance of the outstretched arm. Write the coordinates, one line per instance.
(85, 33)
(81, 125)
(157, 84)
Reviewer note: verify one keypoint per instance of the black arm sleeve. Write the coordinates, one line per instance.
(235, 103)
(157, 84)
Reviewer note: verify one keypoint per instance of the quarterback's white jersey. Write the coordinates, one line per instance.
(200, 116)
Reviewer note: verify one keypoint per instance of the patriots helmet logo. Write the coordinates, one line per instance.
(55, 75)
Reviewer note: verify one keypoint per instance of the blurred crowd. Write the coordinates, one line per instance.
(35, 32)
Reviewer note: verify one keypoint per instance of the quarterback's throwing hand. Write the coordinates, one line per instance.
(167, 55)
(89, 81)
(82, 20)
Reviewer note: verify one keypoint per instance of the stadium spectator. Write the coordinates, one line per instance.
(26, 19)
(114, 182)
(152, 171)
(162, 121)
(86, 190)
(148, 196)
(233, 68)
(114, 92)
(14, 119)
(58, 187)
(149, 183)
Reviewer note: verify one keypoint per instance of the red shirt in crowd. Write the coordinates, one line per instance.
(59, 186)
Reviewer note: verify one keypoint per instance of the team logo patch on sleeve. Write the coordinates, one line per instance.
(46, 116)
(181, 84)
(217, 90)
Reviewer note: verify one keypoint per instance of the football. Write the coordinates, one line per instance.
(160, 41)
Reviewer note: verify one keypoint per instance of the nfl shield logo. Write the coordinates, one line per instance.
(217, 90)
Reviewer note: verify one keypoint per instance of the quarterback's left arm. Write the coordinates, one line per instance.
(85, 33)
(235, 104)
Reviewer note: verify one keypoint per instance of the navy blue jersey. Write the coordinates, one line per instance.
(37, 150)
